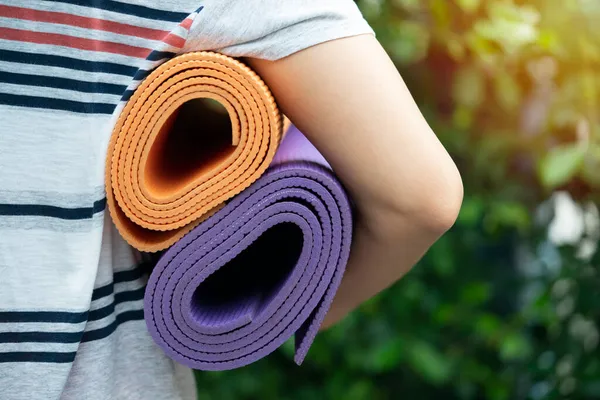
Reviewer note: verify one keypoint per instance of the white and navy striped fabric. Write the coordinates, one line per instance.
(71, 290)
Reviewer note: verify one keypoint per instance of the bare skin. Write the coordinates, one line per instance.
(348, 98)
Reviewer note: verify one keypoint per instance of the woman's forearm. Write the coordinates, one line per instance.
(348, 98)
(378, 259)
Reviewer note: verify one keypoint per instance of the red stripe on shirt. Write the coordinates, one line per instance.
(82, 22)
(187, 23)
(73, 42)
(174, 40)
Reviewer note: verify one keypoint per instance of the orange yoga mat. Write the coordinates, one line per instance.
(173, 161)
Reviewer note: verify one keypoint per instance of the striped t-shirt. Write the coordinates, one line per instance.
(71, 315)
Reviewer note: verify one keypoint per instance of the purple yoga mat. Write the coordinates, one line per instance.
(263, 268)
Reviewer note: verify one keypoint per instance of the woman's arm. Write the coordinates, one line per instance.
(347, 97)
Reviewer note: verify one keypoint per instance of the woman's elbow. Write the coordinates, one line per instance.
(440, 210)
(433, 204)
(443, 200)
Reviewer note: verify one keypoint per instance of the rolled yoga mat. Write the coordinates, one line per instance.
(172, 162)
(264, 267)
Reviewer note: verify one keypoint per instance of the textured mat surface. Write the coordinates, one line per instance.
(173, 160)
(263, 268)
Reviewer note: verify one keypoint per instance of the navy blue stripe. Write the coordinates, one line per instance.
(123, 297)
(40, 337)
(130, 295)
(67, 62)
(130, 275)
(41, 210)
(61, 83)
(141, 74)
(57, 357)
(129, 9)
(52, 337)
(127, 95)
(56, 104)
(71, 337)
(99, 205)
(44, 316)
(119, 277)
(160, 55)
(78, 317)
(40, 357)
(103, 312)
(101, 333)
(75, 337)
(102, 291)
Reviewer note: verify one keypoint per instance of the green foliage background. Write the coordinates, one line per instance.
(495, 310)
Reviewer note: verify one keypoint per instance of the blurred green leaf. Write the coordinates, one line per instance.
(498, 392)
(386, 355)
(561, 164)
(446, 313)
(319, 354)
(469, 87)
(428, 361)
(515, 347)
(469, 6)
(488, 326)
(360, 390)
(456, 48)
(288, 349)
(441, 13)
(475, 293)
(411, 43)
(591, 166)
(508, 92)
(463, 117)
(508, 214)
(512, 27)
(442, 257)
(471, 212)
(412, 5)
(548, 40)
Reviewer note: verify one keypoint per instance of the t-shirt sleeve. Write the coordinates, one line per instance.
(272, 29)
